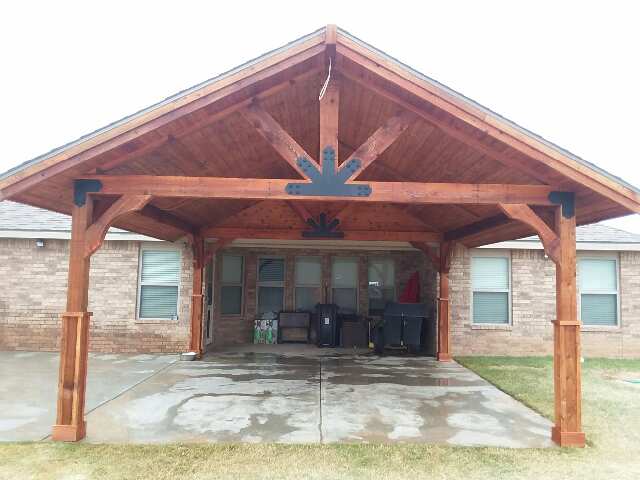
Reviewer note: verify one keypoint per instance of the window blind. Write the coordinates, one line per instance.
(159, 279)
(490, 283)
(598, 291)
(271, 270)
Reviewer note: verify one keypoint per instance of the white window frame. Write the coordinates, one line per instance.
(357, 286)
(306, 285)
(153, 248)
(493, 254)
(241, 284)
(271, 284)
(599, 256)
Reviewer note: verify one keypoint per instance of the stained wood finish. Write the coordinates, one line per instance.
(195, 343)
(329, 113)
(96, 232)
(526, 215)
(567, 430)
(74, 342)
(260, 189)
(444, 313)
(290, 234)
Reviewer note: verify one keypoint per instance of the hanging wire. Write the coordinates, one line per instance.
(326, 82)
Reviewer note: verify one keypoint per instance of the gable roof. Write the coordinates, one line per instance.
(494, 140)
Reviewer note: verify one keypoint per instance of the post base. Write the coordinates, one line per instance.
(568, 439)
(69, 433)
(444, 357)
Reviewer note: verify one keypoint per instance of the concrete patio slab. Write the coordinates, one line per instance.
(29, 387)
(297, 395)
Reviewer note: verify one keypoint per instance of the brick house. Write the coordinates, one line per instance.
(513, 317)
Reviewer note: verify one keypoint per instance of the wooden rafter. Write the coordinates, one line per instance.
(96, 232)
(380, 140)
(278, 138)
(160, 216)
(460, 234)
(524, 214)
(291, 234)
(260, 188)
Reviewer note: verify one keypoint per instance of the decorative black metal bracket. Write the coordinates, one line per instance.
(331, 182)
(322, 228)
(82, 187)
(567, 201)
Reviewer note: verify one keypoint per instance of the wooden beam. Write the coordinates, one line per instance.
(299, 210)
(96, 232)
(165, 218)
(460, 234)
(260, 188)
(444, 303)
(291, 234)
(74, 341)
(329, 113)
(243, 80)
(195, 343)
(276, 136)
(379, 141)
(524, 213)
(567, 430)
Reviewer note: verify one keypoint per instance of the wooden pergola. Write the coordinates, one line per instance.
(326, 137)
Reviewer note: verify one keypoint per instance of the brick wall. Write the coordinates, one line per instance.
(238, 329)
(533, 309)
(33, 295)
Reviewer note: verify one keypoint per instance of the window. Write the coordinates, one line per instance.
(308, 283)
(382, 285)
(490, 283)
(231, 285)
(159, 282)
(598, 291)
(270, 285)
(344, 283)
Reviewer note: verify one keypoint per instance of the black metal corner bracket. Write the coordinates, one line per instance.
(322, 228)
(82, 187)
(567, 200)
(332, 181)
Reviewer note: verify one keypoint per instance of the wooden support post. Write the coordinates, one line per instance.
(74, 343)
(197, 297)
(566, 344)
(444, 315)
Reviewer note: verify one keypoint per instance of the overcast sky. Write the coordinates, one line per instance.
(568, 71)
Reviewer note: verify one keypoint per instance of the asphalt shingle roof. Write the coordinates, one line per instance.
(19, 217)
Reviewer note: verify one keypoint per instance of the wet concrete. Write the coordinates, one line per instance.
(301, 395)
(29, 383)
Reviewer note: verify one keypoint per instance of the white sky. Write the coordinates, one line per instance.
(568, 71)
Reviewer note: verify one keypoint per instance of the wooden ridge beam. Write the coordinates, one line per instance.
(95, 234)
(291, 234)
(329, 113)
(260, 188)
(276, 136)
(524, 213)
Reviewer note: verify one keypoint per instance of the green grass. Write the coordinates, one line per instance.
(611, 414)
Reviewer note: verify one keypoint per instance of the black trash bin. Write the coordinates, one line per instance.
(403, 324)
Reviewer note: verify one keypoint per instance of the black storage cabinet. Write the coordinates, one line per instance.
(327, 324)
(403, 324)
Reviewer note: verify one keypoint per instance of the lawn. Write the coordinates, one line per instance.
(611, 414)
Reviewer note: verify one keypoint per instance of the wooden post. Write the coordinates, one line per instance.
(74, 343)
(197, 297)
(444, 315)
(566, 328)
